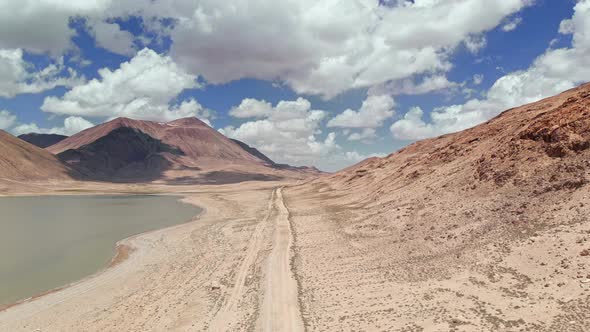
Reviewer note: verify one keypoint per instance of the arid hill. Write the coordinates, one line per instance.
(42, 140)
(485, 230)
(20, 161)
(201, 154)
(124, 153)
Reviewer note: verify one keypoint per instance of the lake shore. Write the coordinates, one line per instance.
(172, 268)
(353, 270)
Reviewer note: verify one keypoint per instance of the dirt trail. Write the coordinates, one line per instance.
(226, 315)
(280, 309)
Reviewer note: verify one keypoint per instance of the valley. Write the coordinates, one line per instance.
(481, 230)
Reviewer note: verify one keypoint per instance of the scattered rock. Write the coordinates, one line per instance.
(215, 285)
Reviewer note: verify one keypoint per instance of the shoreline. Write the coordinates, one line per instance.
(177, 278)
(124, 249)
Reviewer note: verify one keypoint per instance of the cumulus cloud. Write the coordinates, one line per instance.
(366, 135)
(18, 76)
(354, 156)
(72, 125)
(7, 119)
(410, 87)
(142, 88)
(475, 43)
(331, 46)
(43, 26)
(373, 112)
(110, 37)
(551, 73)
(322, 48)
(289, 133)
(252, 108)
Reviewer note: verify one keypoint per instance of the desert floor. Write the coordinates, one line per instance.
(273, 257)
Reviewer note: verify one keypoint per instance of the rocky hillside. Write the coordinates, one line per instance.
(485, 229)
(536, 149)
(42, 140)
(202, 154)
(20, 161)
(124, 153)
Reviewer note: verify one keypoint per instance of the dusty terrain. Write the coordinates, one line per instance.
(483, 230)
(223, 271)
(20, 160)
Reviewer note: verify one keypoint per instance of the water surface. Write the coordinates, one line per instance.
(48, 242)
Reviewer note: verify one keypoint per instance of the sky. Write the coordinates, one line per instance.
(323, 83)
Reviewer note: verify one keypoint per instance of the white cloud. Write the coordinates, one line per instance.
(7, 119)
(289, 133)
(409, 87)
(251, 108)
(354, 156)
(72, 125)
(18, 76)
(322, 48)
(367, 135)
(475, 43)
(43, 26)
(551, 73)
(373, 112)
(142, 88)
(110, 37)
(512, 24)
(327, 47)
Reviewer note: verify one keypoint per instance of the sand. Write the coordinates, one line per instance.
(224, 271)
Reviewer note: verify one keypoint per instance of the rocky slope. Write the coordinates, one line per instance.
(203, 155)
(20, 161)
(483, 230)
(42, 140)
(124, 153)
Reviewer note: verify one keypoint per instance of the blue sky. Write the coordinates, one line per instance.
(281, 76)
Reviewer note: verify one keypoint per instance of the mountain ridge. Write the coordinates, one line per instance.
(206, 154)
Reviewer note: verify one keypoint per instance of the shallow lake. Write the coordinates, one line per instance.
(48, 242)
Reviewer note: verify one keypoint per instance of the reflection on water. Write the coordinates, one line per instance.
(47, 242)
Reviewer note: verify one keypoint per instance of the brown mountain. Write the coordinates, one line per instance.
(20, 160)
(42, 140)
(180, 151)
(469, 228)
(536, 148)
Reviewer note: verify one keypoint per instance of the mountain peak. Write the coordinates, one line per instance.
(187, 122)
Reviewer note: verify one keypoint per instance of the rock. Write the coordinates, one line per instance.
(215, 285)
(585, 252)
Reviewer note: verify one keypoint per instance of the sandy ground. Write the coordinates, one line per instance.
(228, 270)
(261, 258)
(410, 267)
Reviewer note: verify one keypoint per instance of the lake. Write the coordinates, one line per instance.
(48, 242)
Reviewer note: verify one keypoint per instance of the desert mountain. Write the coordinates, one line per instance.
(42, 140)
(254, 152)
(494, 217)
(20, 160)
(538, 148)
(180, 151)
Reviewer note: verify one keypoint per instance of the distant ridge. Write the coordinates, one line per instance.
(534, 147)
(203, 155)
(42, 140)
(22, 161)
